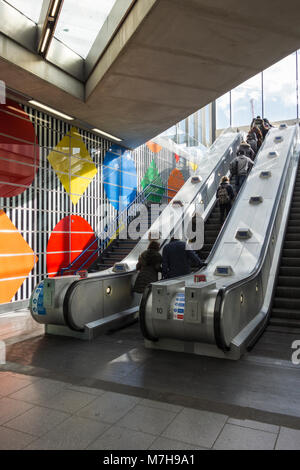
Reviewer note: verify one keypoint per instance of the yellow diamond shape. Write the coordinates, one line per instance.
(73, 165)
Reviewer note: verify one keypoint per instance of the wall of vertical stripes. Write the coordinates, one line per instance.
(52, 176)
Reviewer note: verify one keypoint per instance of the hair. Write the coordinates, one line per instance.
(154, 246)
(241, 152)
(224, 179)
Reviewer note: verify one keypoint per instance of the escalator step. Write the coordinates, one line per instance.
(290, 237)
(292, 229)
(290, 304)
(287, 313)
(292, 270)
(287, 292)
(291, 253)
(293, 223)
(284, 322)
(289, 281)
(294, 244)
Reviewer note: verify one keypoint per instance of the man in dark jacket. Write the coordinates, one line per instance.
(225, 196)
(252, 141)
(177, 260)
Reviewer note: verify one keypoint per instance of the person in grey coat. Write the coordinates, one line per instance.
(240, 167)
(149, 265)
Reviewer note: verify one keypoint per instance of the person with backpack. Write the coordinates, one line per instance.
(252, 141)
(225, 196)
(240, 167)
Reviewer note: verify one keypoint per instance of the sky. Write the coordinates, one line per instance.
(280, 96)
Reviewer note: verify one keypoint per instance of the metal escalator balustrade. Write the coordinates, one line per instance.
(223, 315)
(286, 303)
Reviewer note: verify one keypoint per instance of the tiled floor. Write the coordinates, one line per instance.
(38, 413)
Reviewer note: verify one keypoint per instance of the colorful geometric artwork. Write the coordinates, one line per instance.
(152, 176)
(155, 148)
(119, 177)
(175, 182)
(70, 237)
(16, 259)
(73, 165)
(19, 150)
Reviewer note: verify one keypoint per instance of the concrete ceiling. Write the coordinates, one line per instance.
(168, 59)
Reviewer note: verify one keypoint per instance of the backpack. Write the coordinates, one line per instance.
(223, 195)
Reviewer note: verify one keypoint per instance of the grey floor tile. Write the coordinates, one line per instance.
(254, 425)
(289, 439)
(37, 421)
(9, 409)
(161, 405)
(239, 438)
(74, 434)
(118, 438)
(196, 427)
(10, 384)
(162, 443)
(92, 391)
(13, 440)
(40, 392)
(110, 407)
(146, 419)
(70, 401)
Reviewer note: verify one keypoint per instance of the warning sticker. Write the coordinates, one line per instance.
(178, 310)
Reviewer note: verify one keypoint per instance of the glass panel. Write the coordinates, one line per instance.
(223, 111)
(80, 22)
(280, 95)
(246, 101)
(29, 8)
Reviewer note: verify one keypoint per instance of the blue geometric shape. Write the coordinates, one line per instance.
(119, 177)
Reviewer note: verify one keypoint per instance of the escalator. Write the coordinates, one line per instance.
(87, 304)
(225, 309)
(286, 303)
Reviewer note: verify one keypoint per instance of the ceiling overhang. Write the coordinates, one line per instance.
(165, 60)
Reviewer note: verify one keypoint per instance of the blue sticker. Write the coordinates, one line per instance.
(38, 300)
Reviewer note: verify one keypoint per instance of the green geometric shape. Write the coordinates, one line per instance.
(152, 175)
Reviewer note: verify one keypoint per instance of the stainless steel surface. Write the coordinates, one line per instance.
(246, 293)
(87, 299)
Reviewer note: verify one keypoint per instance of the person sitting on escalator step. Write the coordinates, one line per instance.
(225, 196)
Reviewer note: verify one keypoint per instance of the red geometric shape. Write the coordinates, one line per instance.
(175, 182)
(70, 237)
(19, 156)
(177, 158)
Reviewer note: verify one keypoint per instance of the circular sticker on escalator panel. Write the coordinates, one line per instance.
(37, 300)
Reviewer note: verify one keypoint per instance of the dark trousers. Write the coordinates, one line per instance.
(239, 181)
(224, 211)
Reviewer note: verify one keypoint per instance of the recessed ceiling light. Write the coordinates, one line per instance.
(51, 110)
(107, 135)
